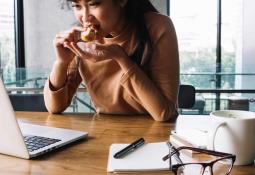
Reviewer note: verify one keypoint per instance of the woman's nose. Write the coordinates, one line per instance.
(86, 16)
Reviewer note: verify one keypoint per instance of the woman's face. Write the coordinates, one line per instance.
(105, 15)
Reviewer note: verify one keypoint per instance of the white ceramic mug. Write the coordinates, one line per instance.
(233, 131)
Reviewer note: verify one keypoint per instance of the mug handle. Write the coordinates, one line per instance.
(212, 133)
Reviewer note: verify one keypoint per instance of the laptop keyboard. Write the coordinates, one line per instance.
(36, 142)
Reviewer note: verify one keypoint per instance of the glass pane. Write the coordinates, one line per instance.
(7, 44)
(231, 40)
(42, 21)
(195, 22)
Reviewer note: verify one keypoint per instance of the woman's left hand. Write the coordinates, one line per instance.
(97, 52)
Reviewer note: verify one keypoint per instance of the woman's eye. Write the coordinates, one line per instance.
(77, 6)
(94, 3)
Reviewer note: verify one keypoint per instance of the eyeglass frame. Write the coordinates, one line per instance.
(222, 156)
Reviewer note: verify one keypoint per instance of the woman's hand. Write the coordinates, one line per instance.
(98, 52)
(62, 44)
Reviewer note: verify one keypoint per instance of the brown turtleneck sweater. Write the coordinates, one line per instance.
(152, 89)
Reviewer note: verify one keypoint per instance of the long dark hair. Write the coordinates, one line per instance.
(134, 11)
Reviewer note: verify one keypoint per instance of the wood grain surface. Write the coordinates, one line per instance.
(90, 156)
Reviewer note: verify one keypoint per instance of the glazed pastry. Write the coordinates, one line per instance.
(88, 35)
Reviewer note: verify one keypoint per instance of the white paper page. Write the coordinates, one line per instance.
(196, 137)
(146, 158)
(199, 122)
(194, 129)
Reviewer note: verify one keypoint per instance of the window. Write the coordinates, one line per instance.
(198, 30)
(42, 21)
(210, 43)
(7, 41)
(196, 24)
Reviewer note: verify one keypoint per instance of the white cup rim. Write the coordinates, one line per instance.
(229, 114)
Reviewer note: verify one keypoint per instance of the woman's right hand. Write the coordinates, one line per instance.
(62, 43)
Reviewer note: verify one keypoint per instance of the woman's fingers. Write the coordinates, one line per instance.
(76, 31)
(72, 35)
(78, 50)
(87, 50)
(98, 50)
(59, 40)
(77, 28)
(92, 51)
(69, 46)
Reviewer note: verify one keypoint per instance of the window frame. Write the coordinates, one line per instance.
(19, 34)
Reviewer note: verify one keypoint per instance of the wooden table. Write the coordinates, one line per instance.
(89, 157)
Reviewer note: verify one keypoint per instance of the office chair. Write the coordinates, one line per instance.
(28, 102)
(186, 97)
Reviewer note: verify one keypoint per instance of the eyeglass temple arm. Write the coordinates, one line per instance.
(214, 153)
(173, 149)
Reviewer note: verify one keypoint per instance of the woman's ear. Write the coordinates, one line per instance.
(123, 3)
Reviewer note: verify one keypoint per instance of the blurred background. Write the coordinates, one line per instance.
(216, 44)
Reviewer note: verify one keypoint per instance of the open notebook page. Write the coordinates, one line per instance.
(146, 158)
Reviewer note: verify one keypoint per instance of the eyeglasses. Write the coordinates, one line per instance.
(222, 165)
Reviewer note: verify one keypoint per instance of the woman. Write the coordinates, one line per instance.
(132, 68)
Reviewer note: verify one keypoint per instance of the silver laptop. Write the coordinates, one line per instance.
(26, 140)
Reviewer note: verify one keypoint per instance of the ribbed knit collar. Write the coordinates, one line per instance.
(124, 35)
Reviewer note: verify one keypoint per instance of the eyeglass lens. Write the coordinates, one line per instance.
(193, 169)
(221, 167)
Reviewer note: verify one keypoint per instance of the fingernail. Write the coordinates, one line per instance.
(93, 46)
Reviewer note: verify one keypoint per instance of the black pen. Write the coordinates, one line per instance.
(130, 148)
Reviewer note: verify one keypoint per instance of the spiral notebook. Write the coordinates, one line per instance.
(146, 158)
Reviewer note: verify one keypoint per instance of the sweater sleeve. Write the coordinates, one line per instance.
(57, 101)
(157, 89)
